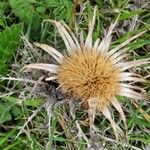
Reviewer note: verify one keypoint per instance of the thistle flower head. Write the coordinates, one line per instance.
(87, 74)
(92, 72)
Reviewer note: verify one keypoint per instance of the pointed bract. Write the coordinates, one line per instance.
(105, 43)
(88, 42)
(50, 50)
(127, 65)
(131, 93)
(115, 127)
(47, 67)
(70, 44)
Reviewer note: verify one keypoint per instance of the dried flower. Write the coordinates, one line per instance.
(93, 73)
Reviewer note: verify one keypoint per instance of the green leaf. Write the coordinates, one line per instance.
(10, 40)
(138, 44)
(137, 121)
(6, 136)
(141, 139)
(62, 9)
(128, 14)
(5, 117)
(16, 111)
(40, 9)
(31, 13)
(120, 98)
(24, 9)
(99, 2)
(53, 126)
(27, 102)
(53, 2)
(12, 145)
(2, 22)
(4, 114)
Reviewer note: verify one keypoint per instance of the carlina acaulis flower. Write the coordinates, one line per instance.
(92, 72)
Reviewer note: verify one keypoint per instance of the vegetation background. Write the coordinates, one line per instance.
(21, 23)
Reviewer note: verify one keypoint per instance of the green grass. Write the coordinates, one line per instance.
(17, 102)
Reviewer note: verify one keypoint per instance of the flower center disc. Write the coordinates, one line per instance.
(88, 74)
